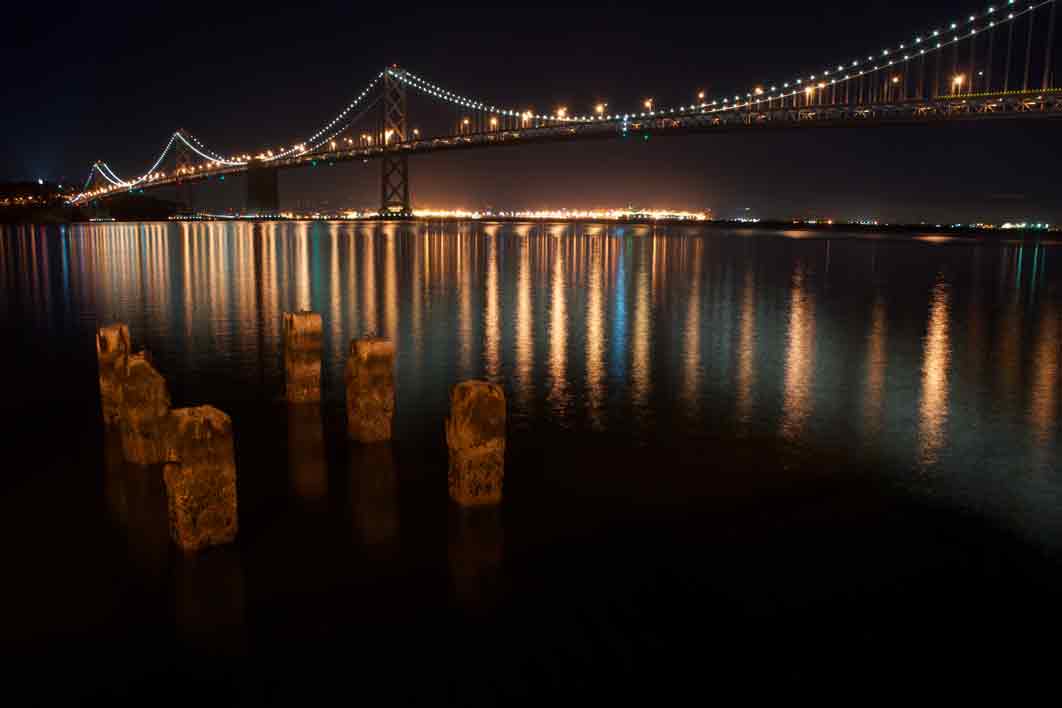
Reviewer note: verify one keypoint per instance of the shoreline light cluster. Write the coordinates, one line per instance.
(566, 214)
(607, 215)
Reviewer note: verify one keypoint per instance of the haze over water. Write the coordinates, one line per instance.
(936, 361)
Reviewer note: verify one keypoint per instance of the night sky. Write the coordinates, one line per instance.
(110, 81)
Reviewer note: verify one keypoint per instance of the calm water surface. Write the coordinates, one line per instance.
(934, 364)
(939, 358)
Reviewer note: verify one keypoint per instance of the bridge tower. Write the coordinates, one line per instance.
(394, 182)
(183, 158)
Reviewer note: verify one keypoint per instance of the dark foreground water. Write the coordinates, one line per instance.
(736, 458)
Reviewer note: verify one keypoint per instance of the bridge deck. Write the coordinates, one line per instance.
(941, 111)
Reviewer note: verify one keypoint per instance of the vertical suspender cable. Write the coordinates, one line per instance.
(988, 63)
(1050, 45)
(1028, 51)
(1010, 52)
(936, 75)
(921, 76)
(954, 62)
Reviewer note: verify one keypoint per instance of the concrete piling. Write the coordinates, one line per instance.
(133, 396)
(145, 402)
(370, 380)
(112, 353)
(200, 477)
(303, 332)
(475, 435)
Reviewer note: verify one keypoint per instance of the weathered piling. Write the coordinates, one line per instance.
(145, 402)
(475, 434)
(303, 332)
(200, 476)
(370, 379)
(112, 353)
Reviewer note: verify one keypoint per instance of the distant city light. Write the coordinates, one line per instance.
(565, 214)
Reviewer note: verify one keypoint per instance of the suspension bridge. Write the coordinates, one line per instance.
(993, 65)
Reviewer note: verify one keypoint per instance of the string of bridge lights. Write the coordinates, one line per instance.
(206, 152)
(343, 127)
(411, 79)
(919, 41)
(109, 174)
(758, 94)
(302, 146)
(197, 146)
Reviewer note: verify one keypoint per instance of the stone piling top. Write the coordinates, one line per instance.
(371, 348)
(303, 329)
(477, 415)
(113, 340)
(145, 392)
(192, 432)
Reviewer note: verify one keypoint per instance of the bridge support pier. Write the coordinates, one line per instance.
(184, 162)
(263, 193)
(394, 177)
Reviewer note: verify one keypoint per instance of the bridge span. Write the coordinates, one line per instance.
(982, 69)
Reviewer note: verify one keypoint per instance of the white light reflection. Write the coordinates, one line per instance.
(936, 361)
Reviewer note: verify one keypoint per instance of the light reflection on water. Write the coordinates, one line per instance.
(799, 360)
(877, 361)
(942, 360)
(936, 361)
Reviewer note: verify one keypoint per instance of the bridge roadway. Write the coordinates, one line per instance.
(1014, 105)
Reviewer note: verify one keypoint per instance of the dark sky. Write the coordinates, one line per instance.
(112, 81)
